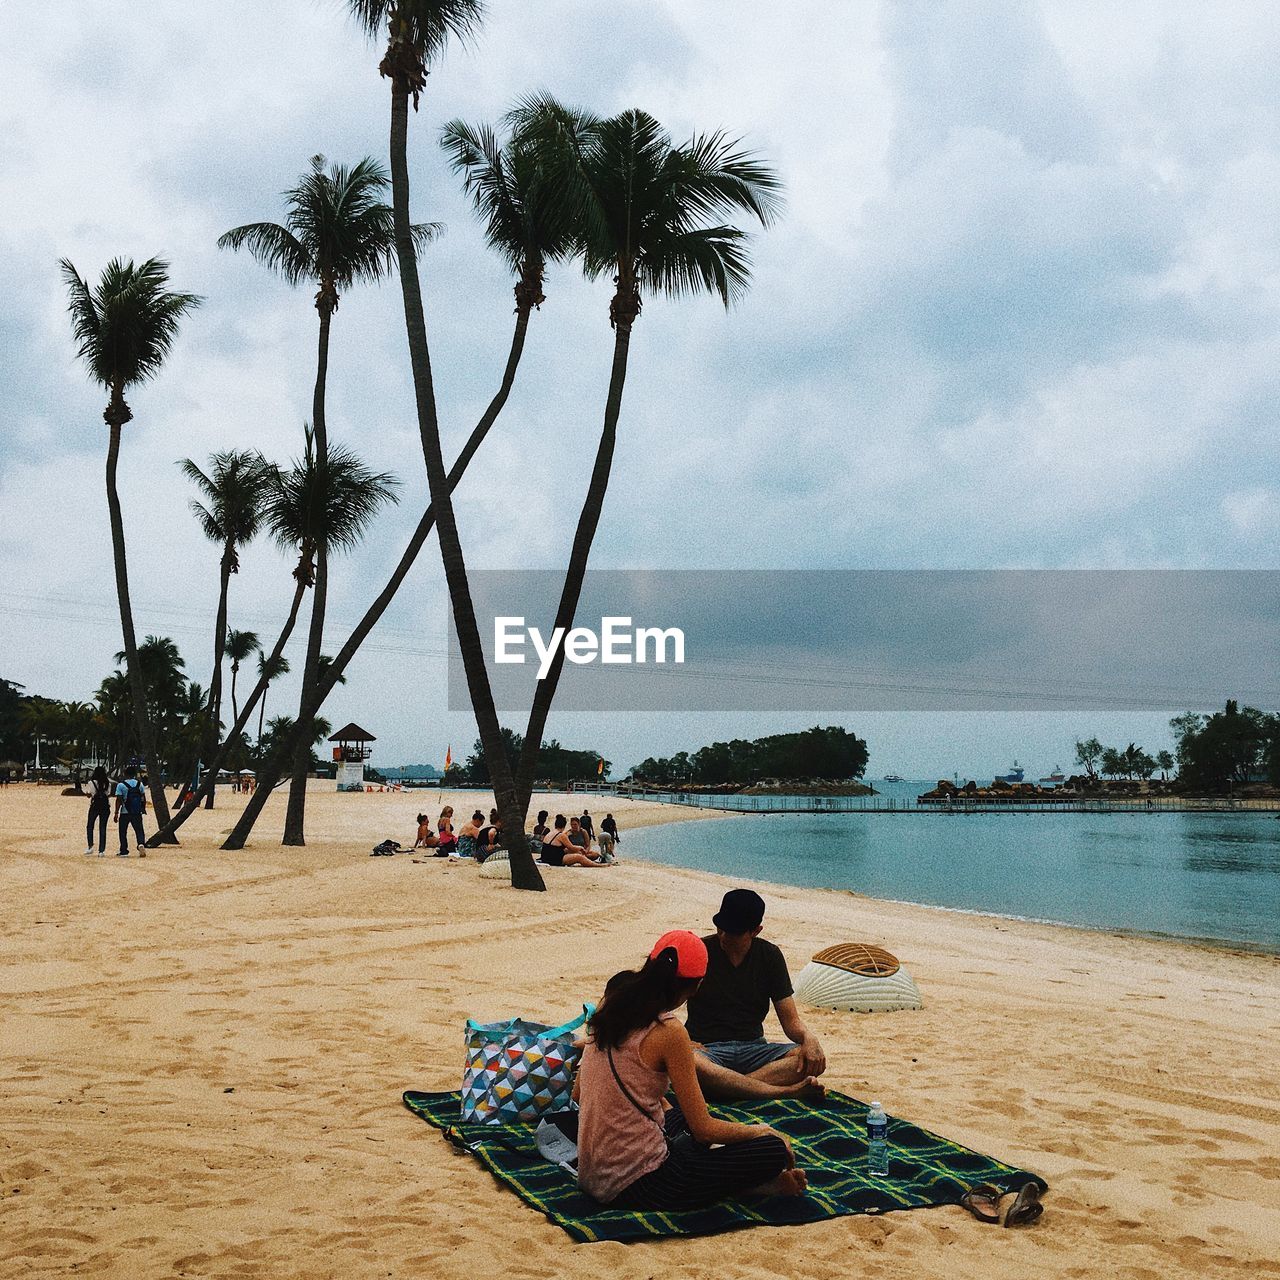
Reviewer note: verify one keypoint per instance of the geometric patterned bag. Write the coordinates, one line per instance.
(518, 1071)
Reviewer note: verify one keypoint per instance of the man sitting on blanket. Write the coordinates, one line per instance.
(726, 1016)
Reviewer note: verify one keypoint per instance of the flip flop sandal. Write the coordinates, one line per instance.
(1026, 1208)
(983, 1201)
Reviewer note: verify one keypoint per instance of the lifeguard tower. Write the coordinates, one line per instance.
(350, 755)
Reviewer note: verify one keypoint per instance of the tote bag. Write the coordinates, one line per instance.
(517, 1071)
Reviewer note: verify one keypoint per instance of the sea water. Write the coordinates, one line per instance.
(1210, 876)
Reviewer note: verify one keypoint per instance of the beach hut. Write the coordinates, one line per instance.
(350, 754)
(858, 978)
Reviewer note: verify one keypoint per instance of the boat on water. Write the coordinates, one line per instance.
(1016, 774)
(893, 777)
(1056, 776)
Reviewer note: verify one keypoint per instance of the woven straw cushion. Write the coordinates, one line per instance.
(859, 957)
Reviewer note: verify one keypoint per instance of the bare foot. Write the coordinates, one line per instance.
(790, 1182)
(810, 1089)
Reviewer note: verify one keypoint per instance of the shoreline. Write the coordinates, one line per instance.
(1229, 946)
(205, 1053)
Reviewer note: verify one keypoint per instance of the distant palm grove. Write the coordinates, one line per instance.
(553, 186)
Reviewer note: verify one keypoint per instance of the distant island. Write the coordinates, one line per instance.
(825, 761)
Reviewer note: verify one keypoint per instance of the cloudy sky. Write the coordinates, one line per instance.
(1022, 311)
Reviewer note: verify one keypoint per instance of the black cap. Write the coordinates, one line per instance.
(740, 911)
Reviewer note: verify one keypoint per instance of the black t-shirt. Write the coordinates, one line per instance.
(732, 1003)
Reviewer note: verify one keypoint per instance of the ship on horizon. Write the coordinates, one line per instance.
(1016, 774)
(1056, 776)
(893, 777)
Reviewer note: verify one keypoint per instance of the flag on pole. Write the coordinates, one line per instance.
(600, 767)
(448, 758)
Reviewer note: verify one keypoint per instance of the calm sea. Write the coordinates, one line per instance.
(1187, 875)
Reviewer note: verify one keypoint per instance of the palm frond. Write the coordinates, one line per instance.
(234, 489)
(276, 247)
(337, 231)
(428, 25)
(240, 644)
(309, 505)
(702, 260)
(125, 328)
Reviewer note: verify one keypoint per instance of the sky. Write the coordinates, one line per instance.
(1021, 312)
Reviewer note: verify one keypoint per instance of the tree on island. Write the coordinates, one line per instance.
(125, 329)
(556, 763)
(828, 754)
(1227, 749)
(1088, 754)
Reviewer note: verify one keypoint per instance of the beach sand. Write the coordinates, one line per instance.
(202, 1056)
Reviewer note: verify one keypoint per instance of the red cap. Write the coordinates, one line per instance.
(691, 952)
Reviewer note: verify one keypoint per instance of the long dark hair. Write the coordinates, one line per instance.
(635, 997)
(99, 776)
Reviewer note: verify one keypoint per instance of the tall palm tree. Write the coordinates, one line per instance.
(649, 217)
(270, 668)
(124, 330)
(320, 509)
(337, 233)
(528, 227)
(240, 644)
(230, 515)
(417, 31)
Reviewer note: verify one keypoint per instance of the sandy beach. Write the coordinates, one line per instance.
(203, 1055)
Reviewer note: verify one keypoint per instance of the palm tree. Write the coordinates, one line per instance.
(314, 508)
(233, 491)
(124, 330)
(240, 644)
(416, 31)
(269, 670)
(648, 217)
(527, 226)
(336, 233)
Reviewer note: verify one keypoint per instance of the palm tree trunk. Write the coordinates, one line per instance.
(295, 816)
(588, 521)
(137, 685)
(214, 731)
(235, 706)
(259, 693)
(262, 715)
(270, 771)
(524, 872)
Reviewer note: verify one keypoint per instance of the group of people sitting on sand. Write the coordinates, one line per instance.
(570, 843)
(637, 1150)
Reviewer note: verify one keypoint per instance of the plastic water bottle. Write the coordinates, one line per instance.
(877, 1141)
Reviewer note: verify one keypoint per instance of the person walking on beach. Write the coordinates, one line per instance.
(99, 810)
(609, 837)
(633, 1151)
(131, 804)
(745, 974)
(587, 824)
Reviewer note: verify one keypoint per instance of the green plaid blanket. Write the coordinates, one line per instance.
(829, 1142)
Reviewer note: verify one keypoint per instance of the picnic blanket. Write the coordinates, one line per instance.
(829, 1140)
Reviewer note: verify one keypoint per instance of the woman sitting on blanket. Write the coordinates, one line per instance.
(560, 851)
(448, 841)
(467, 835)
(632, 1154)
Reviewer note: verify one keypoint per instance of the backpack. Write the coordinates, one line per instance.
(133, 797)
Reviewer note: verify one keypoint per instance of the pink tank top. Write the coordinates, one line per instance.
(616, 1144)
